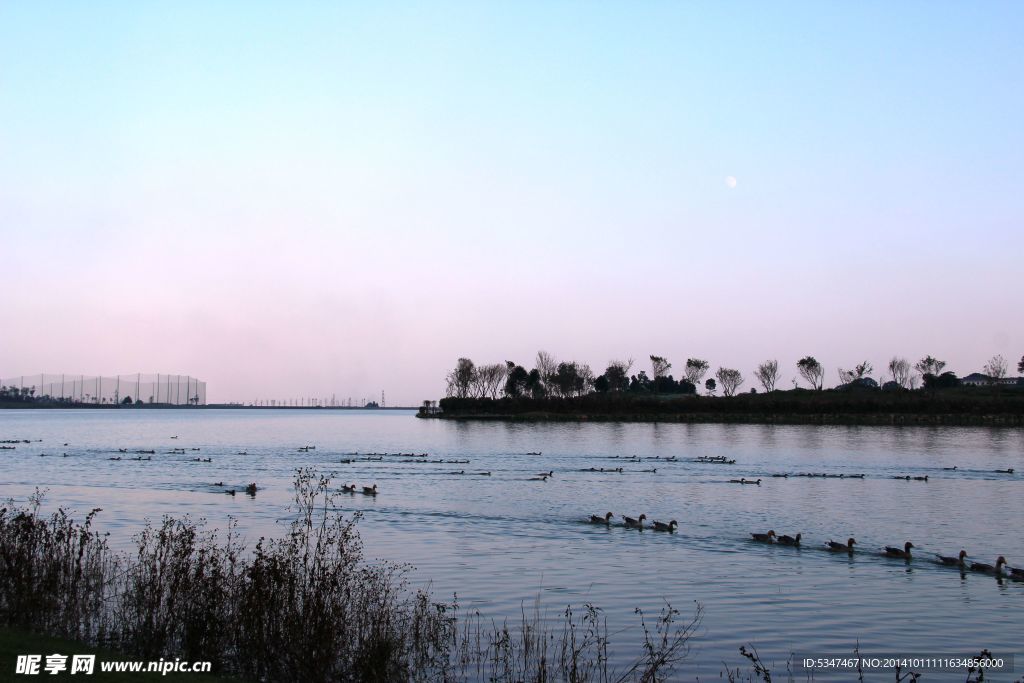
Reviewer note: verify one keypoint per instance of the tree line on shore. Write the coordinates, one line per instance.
(550, 378)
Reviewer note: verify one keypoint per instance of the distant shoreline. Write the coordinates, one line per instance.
(170, 406)
(953, 407)
(877, 420)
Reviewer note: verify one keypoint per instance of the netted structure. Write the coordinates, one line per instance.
(166, 389)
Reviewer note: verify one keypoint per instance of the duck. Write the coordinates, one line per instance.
(550, 473)
(989, 569)
(484, 474)
(638, 523)
(230, 492)
(896, 552)
(1015, 573)
(606, 520)
(218, 483)
(841, 547)
(924, 478)
(790, 540)
(957, 561)
(744, 480)
(950, 469)
(670, 527)
(764, 538)
(370, 490)
(1009, 471)
(251, 489)
(351, 488)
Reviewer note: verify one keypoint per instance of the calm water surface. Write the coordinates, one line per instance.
(502, 541)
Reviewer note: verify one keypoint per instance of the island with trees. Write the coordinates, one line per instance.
(923, 392)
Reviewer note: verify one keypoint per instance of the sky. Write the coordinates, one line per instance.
(316, 198)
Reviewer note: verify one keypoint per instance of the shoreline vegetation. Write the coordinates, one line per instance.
(303, 607)
(306, 608)
(919, 394)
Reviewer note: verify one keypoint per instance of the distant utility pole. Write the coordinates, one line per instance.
(381, 398)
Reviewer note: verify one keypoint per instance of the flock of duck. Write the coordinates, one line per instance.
(770, 537)
(905, 553)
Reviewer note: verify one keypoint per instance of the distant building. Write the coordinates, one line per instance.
(977, 379)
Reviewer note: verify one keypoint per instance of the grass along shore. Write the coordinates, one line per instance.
(305, 607)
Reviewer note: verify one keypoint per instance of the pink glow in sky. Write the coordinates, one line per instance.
(339, 201)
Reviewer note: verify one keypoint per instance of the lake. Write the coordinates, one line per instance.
(505, 540)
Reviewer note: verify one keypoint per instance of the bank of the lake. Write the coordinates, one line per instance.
(966, 406)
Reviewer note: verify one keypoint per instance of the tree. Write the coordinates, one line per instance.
(461, 379)
(811, 370)
(729, 379)
(859, 371)
(515, 382)
(127, 401)
(601, 384)
(767, 374)
(946, 380)
(696, 368)
(547, 366)
(899, 368)
(535, 385)
(710, 386)
(996, 367)
(1020, 365)
(617, 374)
(489, 379)
(930, 366)
(659, 366)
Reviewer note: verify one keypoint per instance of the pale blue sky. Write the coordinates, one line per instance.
(307, 198)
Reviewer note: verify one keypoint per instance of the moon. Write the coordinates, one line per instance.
(730, 182)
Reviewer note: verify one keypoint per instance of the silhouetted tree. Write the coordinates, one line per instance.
(811, 370)
(859, 371)
(515, 382)
(729, 379)
(696, 368)
(996, 367)
(946, 380)
(127, 401)
(899, 368)
(710, 386)
(659, 366)
(547, 366)
(930, 366)
(601, 384)
(460, 380)
(767, 374)
(617, 374)
(535, 385)
(1020, 365)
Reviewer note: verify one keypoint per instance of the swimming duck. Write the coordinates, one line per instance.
(924, 478)
(950, 469)
(546, 474)
(370, 490)
(218, 483)
(606, 520)
(744, 480)
(1015, 573)
(764, 538)
(1009, 471)
(957, 561)
(989, 569)
(670, 527)
(351, 488)
(230, 492)
(896, 552)
(251, 489)
(841, 547)
(638, 523)
(790, 540)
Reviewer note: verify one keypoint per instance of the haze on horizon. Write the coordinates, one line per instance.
(319, 199)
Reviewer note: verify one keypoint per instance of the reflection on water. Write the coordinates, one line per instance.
(503, 539)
